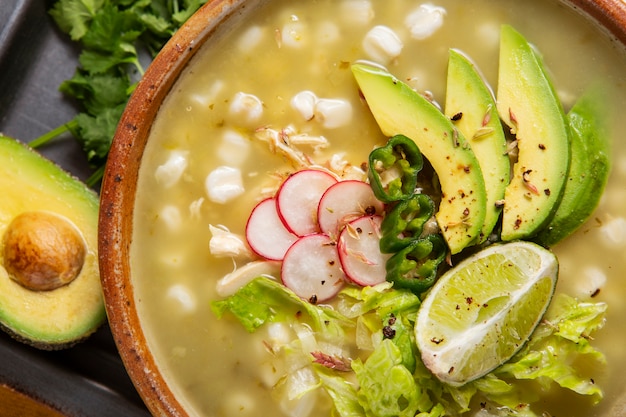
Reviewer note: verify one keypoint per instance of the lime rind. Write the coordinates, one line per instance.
(481, 313)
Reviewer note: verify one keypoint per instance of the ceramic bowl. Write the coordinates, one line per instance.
(120, 180)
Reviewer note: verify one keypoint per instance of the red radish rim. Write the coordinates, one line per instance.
(344, 256)
(336, 285)
(258, 247)
(295, 225)
(321, 210)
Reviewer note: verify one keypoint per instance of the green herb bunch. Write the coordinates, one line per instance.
(112, 34)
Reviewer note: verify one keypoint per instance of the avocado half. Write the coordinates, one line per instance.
(50, 292)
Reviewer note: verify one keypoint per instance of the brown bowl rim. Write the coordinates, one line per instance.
(117, 199)
(119, 184)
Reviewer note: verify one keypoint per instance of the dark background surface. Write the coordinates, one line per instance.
(35, 57)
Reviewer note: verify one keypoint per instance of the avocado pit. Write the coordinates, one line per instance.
(43, 251)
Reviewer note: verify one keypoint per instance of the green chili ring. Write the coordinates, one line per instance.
(405, 222)
(402, 160)
(415, 267)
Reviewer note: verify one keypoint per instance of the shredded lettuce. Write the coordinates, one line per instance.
(354, 301)
(399, 329)
(387, 377)
(386, 387)
(561, 338)
(342, 392)
(264, 300)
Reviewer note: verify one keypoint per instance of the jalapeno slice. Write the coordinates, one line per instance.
(415, 267)
(405, 222)
(393, 169)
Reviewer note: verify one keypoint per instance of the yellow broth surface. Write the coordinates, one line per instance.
(217, 368)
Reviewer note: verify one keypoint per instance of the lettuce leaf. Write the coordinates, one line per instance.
(399, 329)
(386, 313)
(355, 301)
(342, 392)
(390, 379)
(562, 337)
(264, 300)
(386, 387)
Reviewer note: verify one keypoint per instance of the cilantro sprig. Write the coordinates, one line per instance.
(113, 35)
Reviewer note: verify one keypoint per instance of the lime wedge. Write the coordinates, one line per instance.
(481, 312)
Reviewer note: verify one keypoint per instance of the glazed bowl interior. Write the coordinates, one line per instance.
(149, 367)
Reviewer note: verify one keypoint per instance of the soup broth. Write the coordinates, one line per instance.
(284, 48)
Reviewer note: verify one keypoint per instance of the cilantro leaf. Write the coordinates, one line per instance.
(156, 25)
(111, 29)
(74, 16)
(190, 6)
(97, 132)
(110, 33)
(100, 62)
(97, 92)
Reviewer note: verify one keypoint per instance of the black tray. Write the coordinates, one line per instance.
(35, 57)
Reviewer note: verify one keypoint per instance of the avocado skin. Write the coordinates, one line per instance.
(400, 110)
(529, 105)
(59, 318)
(472, 108)
(589, 168)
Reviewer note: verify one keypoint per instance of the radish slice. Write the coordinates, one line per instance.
(344, 202)
(359, 252)
(266, 234)
(298, 198)
(311, 268)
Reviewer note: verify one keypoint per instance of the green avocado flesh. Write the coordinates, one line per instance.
(589, 168)
(398, 109)
(472, 108)
(528, 104)
(59, 317)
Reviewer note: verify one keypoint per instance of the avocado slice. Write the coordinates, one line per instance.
(50, 292)
(529, 105)
(590, 165)
(400, 110)
(471, 106)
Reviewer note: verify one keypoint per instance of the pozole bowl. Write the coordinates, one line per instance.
(248, 92)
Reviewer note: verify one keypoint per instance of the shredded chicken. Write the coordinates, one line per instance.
(230, 283)
(224, 243)
(286, 141)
